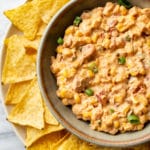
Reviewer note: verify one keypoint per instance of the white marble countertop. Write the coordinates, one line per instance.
(8, 139)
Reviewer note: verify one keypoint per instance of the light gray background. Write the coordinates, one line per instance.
(8, 139)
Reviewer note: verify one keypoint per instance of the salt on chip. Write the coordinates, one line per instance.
(49, 119)
(34, 134)
(47, 142)
(30, 111)
(18, 65)
(48, 8)
(16, 92)
(26, 18)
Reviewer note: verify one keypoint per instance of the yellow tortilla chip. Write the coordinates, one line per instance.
(30, 111)
(74, 143)
(49, 119)
(18, 66)
(26, 18)
(47, 142)
(16, 92)
(48, 8)
(34, 44)
(41, 29)
(34, 134)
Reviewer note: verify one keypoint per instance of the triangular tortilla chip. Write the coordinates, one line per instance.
(16, 92)
(34, 134)
(48, 8)
(34, 44)
(74, 143)
(41, 29)
(49, 119)
(47, 142)
(26, 18)
(30, 111)
(18, 66)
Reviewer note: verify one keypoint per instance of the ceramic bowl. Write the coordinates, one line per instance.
(48, 86)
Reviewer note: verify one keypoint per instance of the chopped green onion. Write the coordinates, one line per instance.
(133, 119)
(77, 21)
(128, 38)
(60, 40)
(92, 66)
(95, 69)
(89, 92)
(122, 60)
(112, 111)
(125, 3)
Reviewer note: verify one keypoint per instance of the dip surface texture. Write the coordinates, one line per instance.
(102, 68)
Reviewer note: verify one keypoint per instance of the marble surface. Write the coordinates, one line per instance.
(8, 139)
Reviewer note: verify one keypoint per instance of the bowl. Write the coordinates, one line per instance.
(48, 86)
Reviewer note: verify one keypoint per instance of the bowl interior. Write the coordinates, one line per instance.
(48, 86)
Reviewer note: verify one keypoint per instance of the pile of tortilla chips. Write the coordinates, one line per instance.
(29, 111)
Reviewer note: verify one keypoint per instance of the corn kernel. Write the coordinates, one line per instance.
(68, 73)
(86, 115)
(123, 26)
(93, 101)
(59, 49)
(78, 33)
(106, 43)
(123, 10)
(88, 40)
(77, 98)
(118, 98)
(69, 30)
(126, 109)
(94, 38)
(116, 124)
(64, 93)
(140, 98)
(114, 116)
(90, 73)
(120, 27)
(113, 70)
(61, 80)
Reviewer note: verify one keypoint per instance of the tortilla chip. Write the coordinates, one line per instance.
(48, 8)
(34, 134)
(74, 143)
(41, 29)
(26, 18)
(31, 44)
(18, 65)
(47, 142)
(16, 92)
(49, 119)
(30, 111)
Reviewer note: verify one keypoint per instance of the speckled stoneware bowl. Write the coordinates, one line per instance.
(48, 86)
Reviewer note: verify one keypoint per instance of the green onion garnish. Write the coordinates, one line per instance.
(92, 66)
(89, 92)
(122, 60)
(128, 38)
(77, 21)
(112, 111)
(133, 119)
(125, 3)
(60, 41)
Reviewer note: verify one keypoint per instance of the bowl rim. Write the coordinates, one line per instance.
(57, 115)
